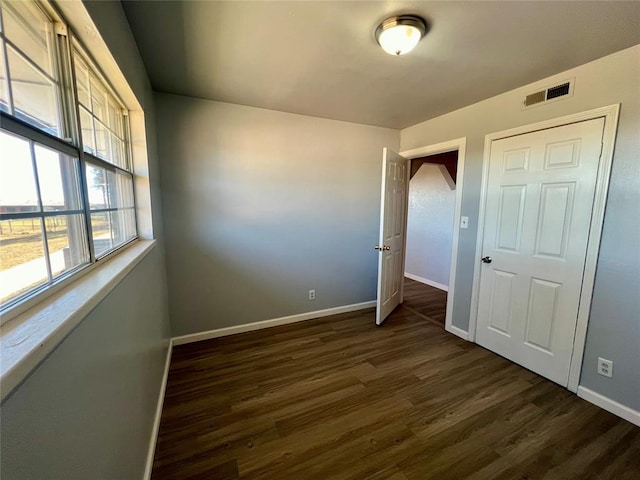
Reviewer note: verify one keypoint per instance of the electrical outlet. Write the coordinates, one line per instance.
(464, 222)
(605, 367)
(312, 294)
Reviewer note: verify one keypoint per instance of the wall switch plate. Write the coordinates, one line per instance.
(312, 294)
(605, 367)
(464, 222)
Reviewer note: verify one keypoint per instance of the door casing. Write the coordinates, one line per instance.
(610, 114)
(460, 145)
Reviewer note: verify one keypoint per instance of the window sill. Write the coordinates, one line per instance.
(29, 338)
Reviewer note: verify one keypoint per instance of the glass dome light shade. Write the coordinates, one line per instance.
(400, 35)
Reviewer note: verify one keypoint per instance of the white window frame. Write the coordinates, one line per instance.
(66, 46)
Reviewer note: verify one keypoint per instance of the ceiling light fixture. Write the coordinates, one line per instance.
(399, 35)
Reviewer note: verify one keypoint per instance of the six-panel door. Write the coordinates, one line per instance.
(392, 227)
(538, 211)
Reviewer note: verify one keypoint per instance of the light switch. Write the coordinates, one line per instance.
(464, 222)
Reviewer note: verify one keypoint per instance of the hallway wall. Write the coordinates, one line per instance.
(430, 227)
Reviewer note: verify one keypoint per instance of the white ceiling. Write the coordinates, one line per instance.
(320, 58)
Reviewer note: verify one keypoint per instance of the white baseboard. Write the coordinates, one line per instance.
(426, 281)
(457, 331)
(610, 405)
(156, 421)
(248, 327)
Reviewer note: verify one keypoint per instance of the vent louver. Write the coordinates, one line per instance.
(558, 91)
(548, 94)
(535, 98)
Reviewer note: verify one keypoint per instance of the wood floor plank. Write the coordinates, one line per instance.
(340, 398)
(425, 300)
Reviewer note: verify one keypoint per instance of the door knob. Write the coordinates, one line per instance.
(487, 259)
(383, 247)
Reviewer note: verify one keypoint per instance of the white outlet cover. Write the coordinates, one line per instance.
(464, 222)
(605, 367)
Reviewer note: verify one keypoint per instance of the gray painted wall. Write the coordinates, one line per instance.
(614, 326)
(430, 225)
(87, 411)
(262, 206)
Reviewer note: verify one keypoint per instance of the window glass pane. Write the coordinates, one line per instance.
(22, 261)
(113, 190)
(86, 123)
(101, 114)
(102, 140)
(82, 82)
(117, 151)
(4, 91)
(124, 225)
(17, 182)
(58, 175)
(30, 30)
(108, 189)
(128, 220)
(101, 187)
(124, 190)
(112, 229)
(115, 118)
(98, 99)
(101, 232)
(67, 241)
(34, 96)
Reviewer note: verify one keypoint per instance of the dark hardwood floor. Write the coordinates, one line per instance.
(339, 398)
(425, 300)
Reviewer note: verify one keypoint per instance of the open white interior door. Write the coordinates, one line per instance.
(391, 243)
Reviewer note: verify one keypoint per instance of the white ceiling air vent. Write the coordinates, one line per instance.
(556, 92)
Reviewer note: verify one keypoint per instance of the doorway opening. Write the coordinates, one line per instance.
(429, 234)
(449, 158)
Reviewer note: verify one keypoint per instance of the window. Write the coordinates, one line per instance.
(66, 182)
(102, 117)
(30, 89)
(103, 123)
